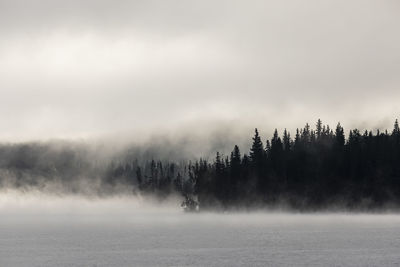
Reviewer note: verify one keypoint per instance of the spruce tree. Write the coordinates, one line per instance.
(319, 129)
(396, 129)
(257, 149)
(339, 135)
(286, 141)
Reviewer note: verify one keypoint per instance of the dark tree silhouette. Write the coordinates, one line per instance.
(319, 169)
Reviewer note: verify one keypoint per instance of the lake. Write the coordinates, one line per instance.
(177, 239)
(39, 230)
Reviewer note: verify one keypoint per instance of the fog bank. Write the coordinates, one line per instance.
(78, 70)
(37, 206)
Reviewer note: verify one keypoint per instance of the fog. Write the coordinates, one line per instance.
(36, 207)
(39, 206)
(79, 70)
(44, 230)
(40, 229)
(107, 106)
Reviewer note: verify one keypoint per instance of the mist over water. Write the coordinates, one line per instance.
(37, 229)
(127, 133)
(69, 204)
(38, 206)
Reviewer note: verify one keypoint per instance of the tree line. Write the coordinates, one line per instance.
(317, 168)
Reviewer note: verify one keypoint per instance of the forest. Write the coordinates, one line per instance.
(318, 168)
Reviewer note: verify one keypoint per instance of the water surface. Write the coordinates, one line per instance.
(172, 238)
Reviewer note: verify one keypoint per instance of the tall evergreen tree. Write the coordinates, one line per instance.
(286, 140)
(396, 129)
(257, 149)
(319, 129)
(339, 134)
(235, 172)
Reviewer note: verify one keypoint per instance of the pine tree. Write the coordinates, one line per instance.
(267, 147)
(235, 157)
(276, 143)
(306, 133)
(235, 172)
(339, 134)
(297, 138)
(257, 149)
(286, 140)
(396, 129)
(319, 129)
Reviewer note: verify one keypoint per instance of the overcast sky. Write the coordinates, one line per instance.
(86, 68)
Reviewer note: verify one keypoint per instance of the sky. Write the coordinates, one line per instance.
(79, 69)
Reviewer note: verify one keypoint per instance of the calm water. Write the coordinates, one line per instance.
(176, 239)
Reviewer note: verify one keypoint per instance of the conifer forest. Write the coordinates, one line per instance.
(315, 168)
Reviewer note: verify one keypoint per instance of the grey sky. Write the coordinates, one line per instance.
(84, 68)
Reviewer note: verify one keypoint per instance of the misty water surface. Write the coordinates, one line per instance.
(39, 230)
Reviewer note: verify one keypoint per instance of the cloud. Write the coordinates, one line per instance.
(78, 69)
